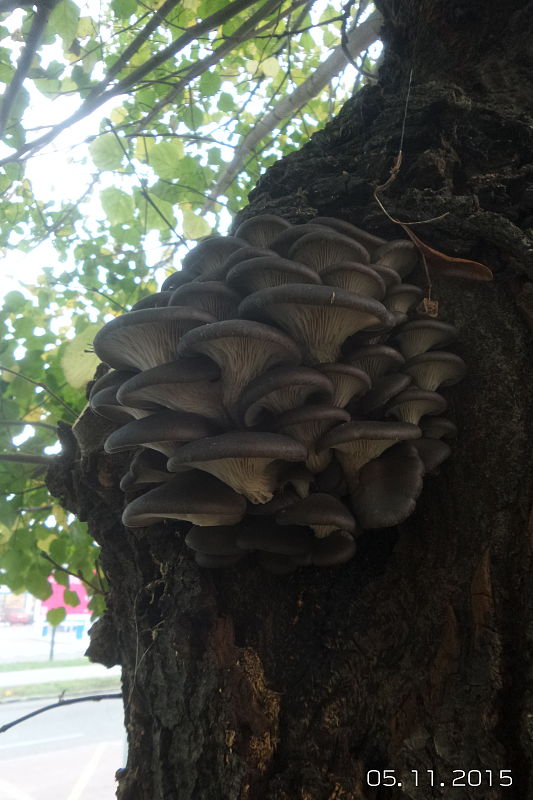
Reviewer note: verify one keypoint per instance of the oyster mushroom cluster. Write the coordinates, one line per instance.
(280, 393)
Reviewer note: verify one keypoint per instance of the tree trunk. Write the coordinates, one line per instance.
(416, 656)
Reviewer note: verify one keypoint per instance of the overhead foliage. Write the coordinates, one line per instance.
(153, 121)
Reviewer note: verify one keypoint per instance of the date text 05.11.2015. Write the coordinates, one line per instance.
(427, 778)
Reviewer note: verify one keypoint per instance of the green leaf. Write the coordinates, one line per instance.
(194, 226)
(55, 616)
(210, 84)
(165, 158)
(64, 21)
(117, 205)
(225, 102)
(79, 365)
(106, 152)
(124, 8)
(14, 302)
(71, 598)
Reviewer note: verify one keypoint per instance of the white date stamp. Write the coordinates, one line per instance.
(429, 778)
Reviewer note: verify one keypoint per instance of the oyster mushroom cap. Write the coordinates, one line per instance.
(164, 431)
(146, 468)
(214, 297)
(333, 550)
(249, 462)
(218, 540)
(412, 404)
(323, 249)
(263, 272)
(143, 339)
(388, 275)
(283, 243)
(192, 496)
(155, 300)
(319, 318)
(243, 350)
(384, 389)
(421, 335)
(375, 359)
(438, 427)
(210, 561)
(369, 241)
(357, 443)
(281, 389)
(187, 384)
(103, 397)
(271, 539)
(357, 278)
(349, 382)
(321, 512)
(400, 254)
(389, 487)
(176, 279)
(400, 299)
(436, 368)
(261, 230)
(307, 424)
(210, 254)
(433, 453)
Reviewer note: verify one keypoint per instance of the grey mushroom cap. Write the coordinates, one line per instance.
(212, 296)
(146, 338)
(368, 240)
(156, 300)
(146, 468)
(245, 253)
(191, 496)
(281, 499)
(298, 477)
(358, 278)
(412, 404)
(400, 254)
(283, 243)
(349, 382)
(323, 249)
(357, 443)
(210, 254)
(436, 368)
(263, 272)
(187, 384)
(243, 349)
(272, 539)
(281, 389)
(384, 389)
(247, 461)
(105, 404)
(319, 318)
(438, 428)
(375, 359)
(332, 480)
(218, 540)
(432, 452)
(261, 230)
(177, 278)
(402, 298)
(421, 335)
(164, 431)
(307, 425)
(335, 549)
(321, 512)
(388, 275)
(388, 487)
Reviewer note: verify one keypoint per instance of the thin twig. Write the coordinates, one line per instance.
(55, 564)
(22, 423)
(26, 458)
(95, 697)
(41, 386)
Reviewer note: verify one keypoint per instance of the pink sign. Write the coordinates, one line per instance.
(56, 598)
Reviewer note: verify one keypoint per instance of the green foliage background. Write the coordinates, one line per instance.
(146, 126)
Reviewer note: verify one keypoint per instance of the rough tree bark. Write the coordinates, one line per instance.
(417, 655)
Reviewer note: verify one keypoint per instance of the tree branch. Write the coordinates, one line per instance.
(245, 31)
(41, 386)
(90, 104)
(95, 697)
(358, 40)
(78, 575)
(22, 423)
(26, 458)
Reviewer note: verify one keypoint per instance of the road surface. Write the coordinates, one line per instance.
(69, 753)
